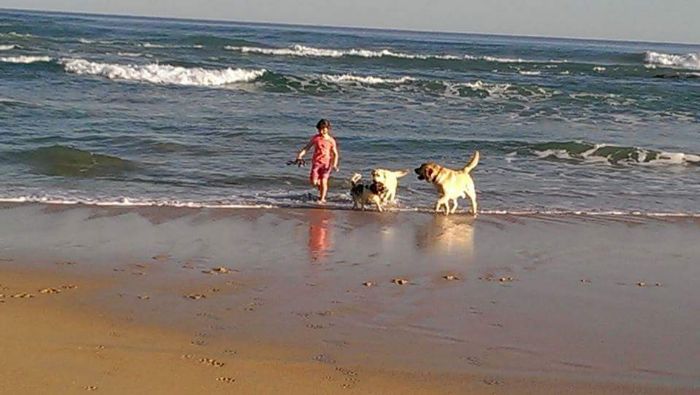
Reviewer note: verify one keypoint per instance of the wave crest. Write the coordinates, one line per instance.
(612, 154)
(7, 47)
(162, 74)
(25, 59)
(367, 80)
(306, 51)
(687, 61)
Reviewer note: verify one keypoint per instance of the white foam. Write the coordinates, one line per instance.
(599, 69)
(643, 156)
(163, 74)
(301, 50)
(25, 59)
(368, 80)
(306, 51)
(130, 54)
(149, 45)
(135, 202)
(687, 61)
(501, 60)
(525, 72)
(7, 47)
(18, 35)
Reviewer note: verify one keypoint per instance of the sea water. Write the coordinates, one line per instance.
(124, 110)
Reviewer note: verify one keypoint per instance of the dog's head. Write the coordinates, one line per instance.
(385, 176)
(355, 178)
(428, 171)
(377, 188)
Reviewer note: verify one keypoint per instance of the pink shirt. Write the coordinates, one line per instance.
(323, 147)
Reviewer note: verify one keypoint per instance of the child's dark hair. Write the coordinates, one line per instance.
(323, 123)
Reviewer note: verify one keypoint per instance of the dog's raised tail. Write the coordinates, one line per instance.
(355, 178)
(472, 162)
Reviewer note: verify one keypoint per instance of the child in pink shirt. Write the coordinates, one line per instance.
(325, 158)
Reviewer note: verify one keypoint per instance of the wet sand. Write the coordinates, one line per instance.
(169, 300)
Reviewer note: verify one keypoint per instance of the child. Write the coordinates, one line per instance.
(324, 160)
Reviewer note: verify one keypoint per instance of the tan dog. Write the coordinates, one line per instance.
(390, 180)
(450, 184)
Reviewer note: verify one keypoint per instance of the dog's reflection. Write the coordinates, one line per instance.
(320, 233)
(453, 235)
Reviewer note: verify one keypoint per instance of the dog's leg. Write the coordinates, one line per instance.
(454, 208)
(472, 197)
(379, 206)
(443, 202)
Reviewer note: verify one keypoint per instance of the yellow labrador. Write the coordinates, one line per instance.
(390, 180)
(451, 184)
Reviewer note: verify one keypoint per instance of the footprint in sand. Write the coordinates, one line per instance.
(90, 388)
(161, 257)
(227, 380)
(492, 381)
(349, 375)
(196, 296)
(23, 295)
(324, 358)
(50, 291)
(217, 270)
(211, 362)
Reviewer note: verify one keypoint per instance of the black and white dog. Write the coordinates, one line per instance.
(363, 194)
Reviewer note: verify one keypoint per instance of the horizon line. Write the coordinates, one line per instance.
(303, 25)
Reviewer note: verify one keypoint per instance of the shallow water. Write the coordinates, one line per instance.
(152, 111)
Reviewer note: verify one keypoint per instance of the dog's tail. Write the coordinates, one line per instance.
(355, 179)
(472, 162)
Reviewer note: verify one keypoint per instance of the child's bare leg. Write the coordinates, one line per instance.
(323, 190)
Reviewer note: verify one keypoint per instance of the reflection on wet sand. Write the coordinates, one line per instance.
(453, 235)
(320, 233)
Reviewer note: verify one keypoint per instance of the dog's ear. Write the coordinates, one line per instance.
(400, 173)
(429, 172)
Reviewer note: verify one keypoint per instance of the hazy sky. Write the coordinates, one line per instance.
(647, 20)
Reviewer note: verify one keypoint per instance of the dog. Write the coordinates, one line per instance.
(451, 184)
(366, 194)
(390, 180)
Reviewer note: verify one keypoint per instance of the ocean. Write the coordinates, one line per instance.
(144, 111)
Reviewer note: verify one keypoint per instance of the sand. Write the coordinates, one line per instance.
(170, 300)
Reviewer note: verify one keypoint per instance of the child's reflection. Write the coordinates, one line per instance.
(320, 234)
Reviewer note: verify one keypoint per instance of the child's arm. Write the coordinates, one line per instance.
(301, 153)
(336, 157)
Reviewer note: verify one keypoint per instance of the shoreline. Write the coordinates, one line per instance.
(532, 304)
(334, 206)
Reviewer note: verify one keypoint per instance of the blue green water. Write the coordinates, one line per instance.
(102, 109)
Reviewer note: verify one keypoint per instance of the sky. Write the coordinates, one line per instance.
(638, 20)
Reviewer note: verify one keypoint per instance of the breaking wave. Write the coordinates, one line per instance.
(368, 80)
(306, 51)
(162, 74)
(25, 59)
(7, 47)
(150, 45)
(687, 61)
(611, 154)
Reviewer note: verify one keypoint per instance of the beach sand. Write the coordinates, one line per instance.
(179, 300)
